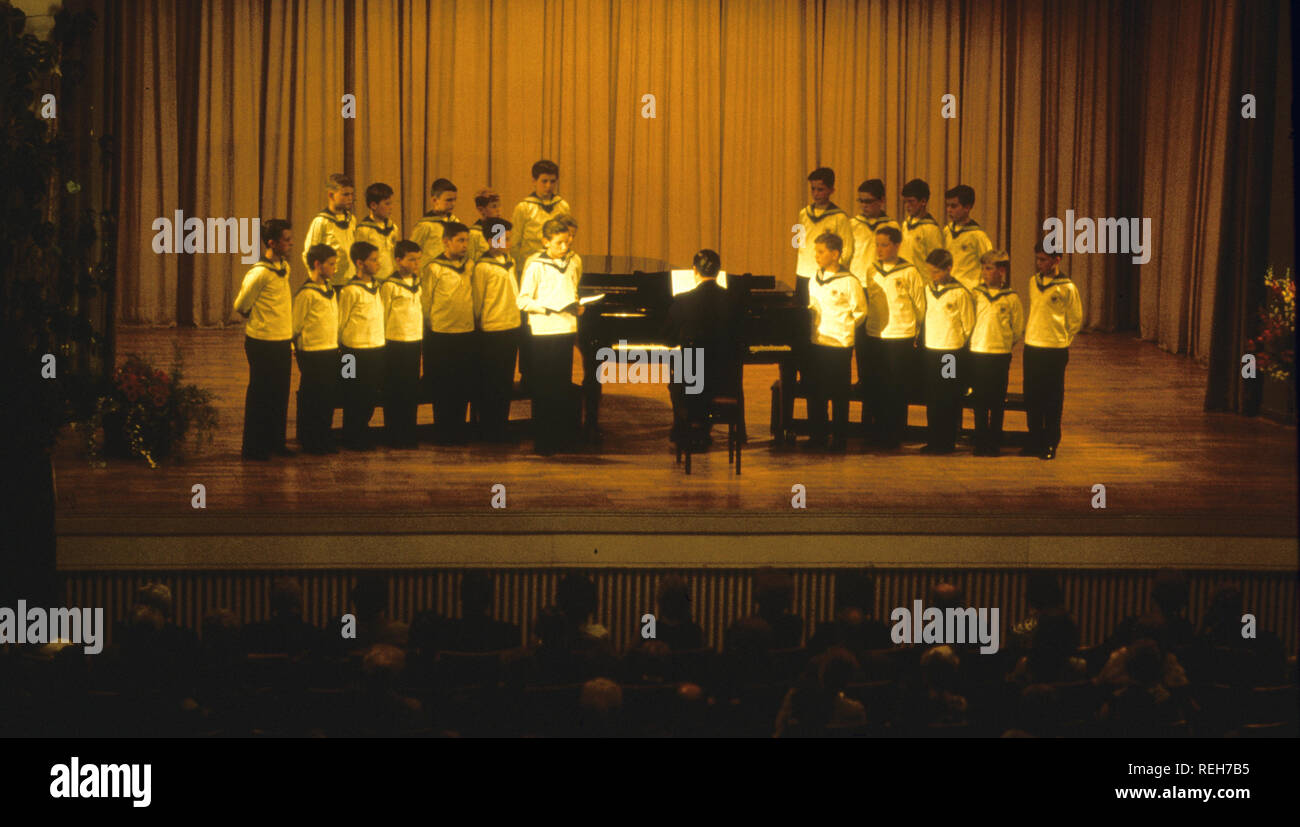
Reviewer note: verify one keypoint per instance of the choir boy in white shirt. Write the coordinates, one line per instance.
(999, 325)
(452, 369)
(922, 235)
(837, 304)
(266, 302)
(361, 335)
(403, 339)
(496, 313)
(904, 293)
(1055, 317)
(870, 218)
(530, 215)
(949, 320)
(431, 229)
(379, 229)
(335, 225)
(964, 238)
(548, 293)
(316, 343)
(488, 204)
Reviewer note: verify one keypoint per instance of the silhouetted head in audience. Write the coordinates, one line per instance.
(220, 634)
(692, 713)
(835, 669)
(476, 594)
(1169, 593)
(1154, 627)
(286, 598)
(600, 702)
(1222, 620)
(370, 596)
(1145, 662)
(773, 592)
(1044, 592)
(158, 597)
(939, 668)
(947, 596)
(576, 598)
(855, 597)
(382, 666)
(674, 599)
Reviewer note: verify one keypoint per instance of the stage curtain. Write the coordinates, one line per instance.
(1108, 108)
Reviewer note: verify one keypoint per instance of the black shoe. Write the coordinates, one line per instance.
(1030, 451)
(815, 444)
(255, 456)
(839, 446)
(937, 449)
(1050, 453)
(285, 451)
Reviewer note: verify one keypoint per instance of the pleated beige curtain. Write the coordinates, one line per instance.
(748, 96)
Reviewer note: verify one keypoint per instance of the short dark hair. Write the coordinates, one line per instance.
(1170, 592)
(453, 228)
(856, 589)
(404, 248)
(894, 234)
(319, 253)
(940, 258)
(1039, 248)
(484, 197)
(554, 227)
(1043, 591)
(361, 251)
(476, 591)
(377, 192)
(707, 263)
(272, 229)
(873, 187)
(575, 596)
(824, 174)
(965, 195)
(831, 241)
(440, 186)
(337, 181)
(493, 227)
(916, 188)
(545, 167)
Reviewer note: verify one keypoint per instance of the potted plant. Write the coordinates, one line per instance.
(1274, 346)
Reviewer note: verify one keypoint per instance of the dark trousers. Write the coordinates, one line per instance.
(525, 351)
(1045, 394)
(897, 364)
(869, 353)
(798, 361)
(497, 351)
(266, 403)
(317, 396)
(829, 370)
(454, 373)
(943, 397)
(989, 377)
(553, 404)
(401, 391)
(591, 387)
(361, 394)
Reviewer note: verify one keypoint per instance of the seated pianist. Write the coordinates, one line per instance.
(703, 318)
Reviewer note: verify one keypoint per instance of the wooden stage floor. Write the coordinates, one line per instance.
(1133, 422)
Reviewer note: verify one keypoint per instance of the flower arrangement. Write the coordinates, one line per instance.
(1274, 344)
(147, 413)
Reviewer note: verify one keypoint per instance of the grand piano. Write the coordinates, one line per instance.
(638, 293)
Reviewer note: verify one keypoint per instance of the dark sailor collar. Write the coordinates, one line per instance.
(547, 206)
(383, 229)
(838, 274)
(913, 223)
(831, 209)
(325, 290)
(442, 259)
(1059, 278)
(398, 280)
(982, 289)
(873, 223)
(372, 289)
(506, 264)
(342, 223)
(944, 287)
(434, 218)
(270, 265)
(901, 264)
(969, 225)
(562, 264)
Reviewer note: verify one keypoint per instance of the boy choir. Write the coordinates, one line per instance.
(910, 300)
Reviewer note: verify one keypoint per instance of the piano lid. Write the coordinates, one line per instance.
(622, 265)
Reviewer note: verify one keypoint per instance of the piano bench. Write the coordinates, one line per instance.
(722, 409)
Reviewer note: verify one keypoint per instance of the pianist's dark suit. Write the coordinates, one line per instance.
(705, 318)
